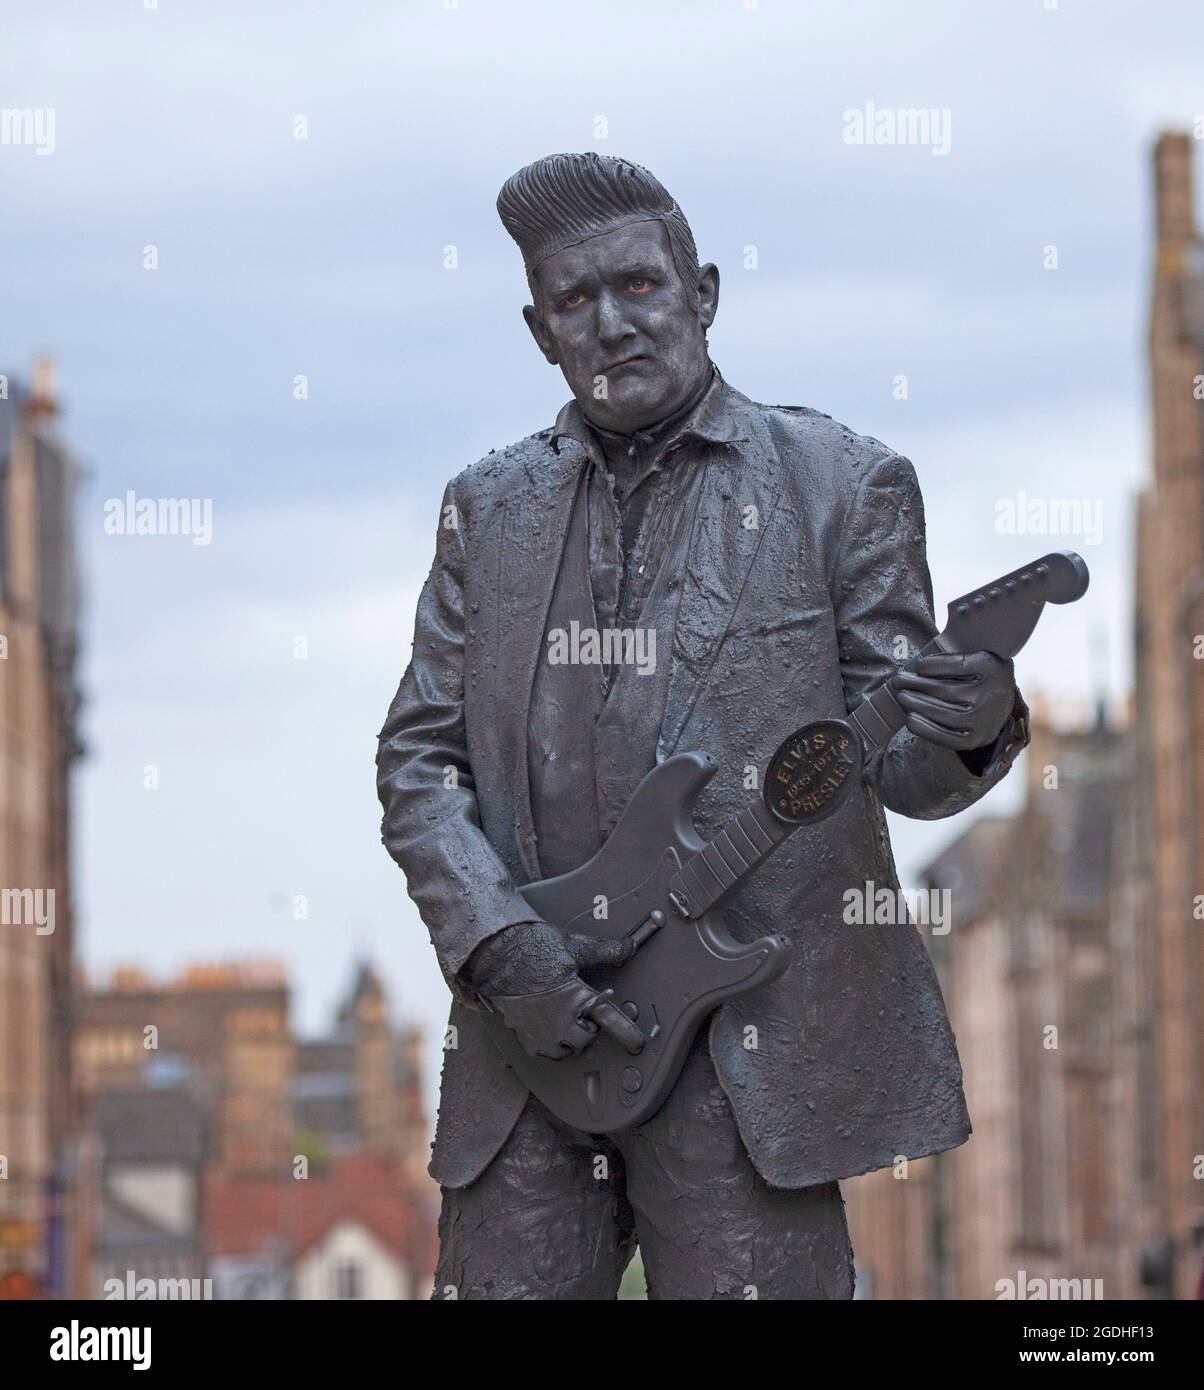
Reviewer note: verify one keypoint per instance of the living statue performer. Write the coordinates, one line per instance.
(671, 567)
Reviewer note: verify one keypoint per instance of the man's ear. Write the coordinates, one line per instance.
(539, 331)
(708, 295)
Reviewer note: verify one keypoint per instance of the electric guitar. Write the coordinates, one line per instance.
(662, 885)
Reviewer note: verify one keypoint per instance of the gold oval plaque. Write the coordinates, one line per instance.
(813, 771)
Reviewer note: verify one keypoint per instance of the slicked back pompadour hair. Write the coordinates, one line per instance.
(564, 199)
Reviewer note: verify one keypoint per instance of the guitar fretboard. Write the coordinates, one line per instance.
(746, 843)
(730, 857)
(879, 717)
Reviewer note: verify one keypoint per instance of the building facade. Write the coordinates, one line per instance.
(43, 1179)
(1169, 707)
(1074, 972)
(304, 1148)
(1047, 984)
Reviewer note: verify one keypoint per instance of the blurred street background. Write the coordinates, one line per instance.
(258, 308)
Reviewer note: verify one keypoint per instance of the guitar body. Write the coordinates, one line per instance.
(682, 970)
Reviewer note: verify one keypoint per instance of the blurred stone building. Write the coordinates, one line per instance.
(284, 1127)
(358, 1089)
(1043, 973)
(220, 1031)
(153, 1150)
(39, 1160)
(1074, 971)
(1169, 751)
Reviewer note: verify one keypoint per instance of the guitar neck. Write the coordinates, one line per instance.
(747, 842)
(999, 618)
(879, 717)
(739, 849)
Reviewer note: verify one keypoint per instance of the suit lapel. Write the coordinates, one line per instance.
(721, 552)
(538, 530)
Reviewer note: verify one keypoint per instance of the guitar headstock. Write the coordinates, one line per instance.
(1000, 616)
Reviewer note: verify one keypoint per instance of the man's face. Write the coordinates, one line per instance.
(617, 320)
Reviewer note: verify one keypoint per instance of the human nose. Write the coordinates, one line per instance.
(613, 322)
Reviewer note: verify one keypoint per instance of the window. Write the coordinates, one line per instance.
(348, 1280)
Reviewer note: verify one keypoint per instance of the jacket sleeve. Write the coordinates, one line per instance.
(882, 597)
(432, 824)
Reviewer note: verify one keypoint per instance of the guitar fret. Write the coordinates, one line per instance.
(870, 723)
(712, 884)
(697, 892)
(753, 854)
(724, 861)
(757, 830)
(769, 828)
(728, 851)
(721, 871)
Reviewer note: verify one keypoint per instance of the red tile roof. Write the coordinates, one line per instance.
(244, 1216)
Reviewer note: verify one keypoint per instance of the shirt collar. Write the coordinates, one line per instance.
(712, 419)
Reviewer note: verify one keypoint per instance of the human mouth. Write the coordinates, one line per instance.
(626, 362)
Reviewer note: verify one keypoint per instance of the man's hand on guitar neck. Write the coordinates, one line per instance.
(528, 973)
(959, 700)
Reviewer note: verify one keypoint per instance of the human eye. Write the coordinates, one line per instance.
(639, 284)
(573, 300)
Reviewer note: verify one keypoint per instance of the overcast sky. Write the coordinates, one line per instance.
(174, 128)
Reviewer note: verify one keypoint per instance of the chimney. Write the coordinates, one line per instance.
(1172, 189)
(43, 395)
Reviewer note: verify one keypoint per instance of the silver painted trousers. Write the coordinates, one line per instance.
(558, 1213)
